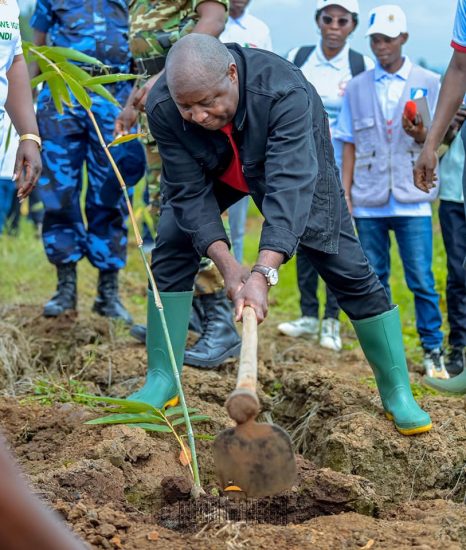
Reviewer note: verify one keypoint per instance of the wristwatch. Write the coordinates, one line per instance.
(270, 273)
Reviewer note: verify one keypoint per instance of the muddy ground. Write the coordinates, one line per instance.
(361, 484)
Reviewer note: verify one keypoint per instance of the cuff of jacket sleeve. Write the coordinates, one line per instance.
(279, 239)
(208, 234)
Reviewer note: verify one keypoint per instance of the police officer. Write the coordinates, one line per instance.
(99, 29)
(154, 27)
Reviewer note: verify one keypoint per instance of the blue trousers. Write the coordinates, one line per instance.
(453, 224)
(414, 237)
(7, 194)
(70, 140)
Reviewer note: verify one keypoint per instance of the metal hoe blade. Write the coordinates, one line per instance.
(258, 458)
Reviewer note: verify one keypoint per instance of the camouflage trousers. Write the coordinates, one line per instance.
(208, 279)
(69, 140)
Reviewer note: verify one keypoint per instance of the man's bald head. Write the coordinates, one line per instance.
(203, 80)
(195, 61)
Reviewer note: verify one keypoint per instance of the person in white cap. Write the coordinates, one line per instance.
(381, 147)
(329, 66)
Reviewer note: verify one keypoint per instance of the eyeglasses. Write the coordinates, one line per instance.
(342, 21)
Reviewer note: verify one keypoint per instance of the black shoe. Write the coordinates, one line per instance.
(196, 321)
(108, 302)
(455, 360)
(65, 297)
(219, 339)
(138, 332)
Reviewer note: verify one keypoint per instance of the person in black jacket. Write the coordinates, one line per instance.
(232, 121)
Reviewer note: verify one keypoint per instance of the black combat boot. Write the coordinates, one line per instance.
(65, 297)
(108, 302)
(219, 339)
(195, 322)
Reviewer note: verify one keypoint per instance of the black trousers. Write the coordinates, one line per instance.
(453, 223)
(307, 283)
(347, 274)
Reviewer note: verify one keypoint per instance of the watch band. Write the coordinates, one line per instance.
(32, 137)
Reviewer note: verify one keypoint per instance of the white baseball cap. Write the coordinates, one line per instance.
(389, 20)
(350, 5)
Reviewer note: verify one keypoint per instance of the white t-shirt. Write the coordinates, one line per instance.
(8, 155)
(330, 78)
(10, 45)
(247, 31)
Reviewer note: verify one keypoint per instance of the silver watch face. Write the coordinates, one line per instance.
(272, 277)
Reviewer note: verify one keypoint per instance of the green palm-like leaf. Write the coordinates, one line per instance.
(80, 75)
(58, 53)
(173, 411)
(124, 139)
(55, 87)
(102, 91)
(194, 418)
(126, 419)
(152, 427)
(126, 405)
(108, 79)
(78, 91)
(42, 78)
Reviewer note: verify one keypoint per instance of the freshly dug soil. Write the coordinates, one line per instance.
(360, 484)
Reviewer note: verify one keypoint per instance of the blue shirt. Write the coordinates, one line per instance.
(389, 89)
(95, 27)
(459, 30)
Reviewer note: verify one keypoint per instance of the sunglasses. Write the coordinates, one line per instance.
(342, 21)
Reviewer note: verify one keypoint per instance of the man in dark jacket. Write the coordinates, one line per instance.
(231, 122)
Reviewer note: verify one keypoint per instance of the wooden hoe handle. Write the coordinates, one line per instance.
(243, 404)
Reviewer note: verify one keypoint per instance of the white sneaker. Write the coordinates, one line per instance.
(434, 364)
(330, 334)
(304, 326)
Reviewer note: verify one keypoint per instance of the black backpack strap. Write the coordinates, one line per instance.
(302, 54)
(356, 62)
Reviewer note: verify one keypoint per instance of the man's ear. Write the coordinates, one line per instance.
(233, 73)
(404, 38)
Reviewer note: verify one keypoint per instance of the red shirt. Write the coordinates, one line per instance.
(233, 175)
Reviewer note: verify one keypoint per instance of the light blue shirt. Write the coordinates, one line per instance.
(459, 30)
(389, 89)
(451, 171)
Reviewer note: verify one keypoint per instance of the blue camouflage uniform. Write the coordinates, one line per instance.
(98, 28)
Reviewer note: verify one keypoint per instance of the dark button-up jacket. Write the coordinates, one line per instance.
(284, 143)
(95, 27)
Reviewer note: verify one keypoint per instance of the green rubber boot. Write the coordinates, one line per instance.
(160, 389)
(382, 343)
(452, 385)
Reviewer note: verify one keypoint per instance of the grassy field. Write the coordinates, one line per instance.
(26, 277)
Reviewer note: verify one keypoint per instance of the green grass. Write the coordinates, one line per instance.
(26, 277)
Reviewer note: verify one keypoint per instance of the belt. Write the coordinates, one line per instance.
(96, 70)
(150, 65)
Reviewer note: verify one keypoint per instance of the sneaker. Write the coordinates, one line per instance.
(434, 364)
(455, 360)
(304, 326)
(330, 334)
